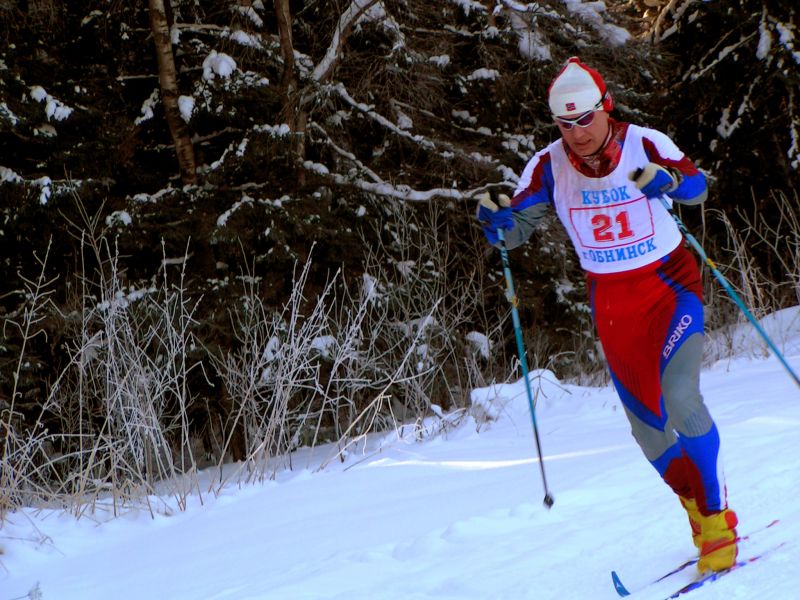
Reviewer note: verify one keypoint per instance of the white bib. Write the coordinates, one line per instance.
(613, 227)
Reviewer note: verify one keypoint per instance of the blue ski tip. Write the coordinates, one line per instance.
(621, 589)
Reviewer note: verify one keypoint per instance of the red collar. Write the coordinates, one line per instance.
(605, 160)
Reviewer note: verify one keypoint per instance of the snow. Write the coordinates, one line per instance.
(7, 114)
(7, 174)
(122, 217)
(281, 130)
(372, 288)
(54, 108)
(152, 198)
(764, 42)
(352, 14)
(244, 38)
(218, 64)
(404, 121)
(250, 13)
(480, 342)
(222, 220)
(147, 107)
(324, 344)
(483, 73)
(592, 13)
(186, 106)
(45, 183)
(464, 116)
(457, 515)
(468, 6)
(532, 46)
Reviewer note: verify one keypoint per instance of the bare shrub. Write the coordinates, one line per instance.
(759, 258)
(121, 400)
(376, 354)
(774, 232)
(274, 365)
(24, 456)
(124, 397)
(362, 356)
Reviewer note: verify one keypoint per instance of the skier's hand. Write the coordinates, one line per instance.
(494, 215)
(655, 180)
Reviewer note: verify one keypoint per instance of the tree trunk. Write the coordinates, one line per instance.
(289, 79)
(295, 100)
(169, 92)
(292, 113)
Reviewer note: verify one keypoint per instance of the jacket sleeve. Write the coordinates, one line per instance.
(531, 199)
(660, 149)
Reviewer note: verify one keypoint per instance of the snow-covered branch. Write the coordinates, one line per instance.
(383, 188)
(368, 110)
(349, 17)
(348, 155)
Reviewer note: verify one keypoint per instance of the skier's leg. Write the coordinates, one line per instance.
(713, 532)
(651, 330)
(664, 452)
(713, 524)
(698, 436)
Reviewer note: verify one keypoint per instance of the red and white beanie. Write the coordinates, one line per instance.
(578, 89)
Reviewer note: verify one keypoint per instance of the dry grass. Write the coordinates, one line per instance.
(759, 258)
(386, 352)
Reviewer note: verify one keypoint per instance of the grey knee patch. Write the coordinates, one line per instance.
(652, 441)
(680, 384)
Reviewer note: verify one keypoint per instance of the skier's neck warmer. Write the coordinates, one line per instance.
(602, 162)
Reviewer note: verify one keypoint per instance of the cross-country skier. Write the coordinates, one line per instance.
(604, 179)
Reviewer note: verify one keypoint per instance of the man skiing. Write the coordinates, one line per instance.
(605, 179)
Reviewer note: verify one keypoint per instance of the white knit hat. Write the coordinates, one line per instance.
(577, 89)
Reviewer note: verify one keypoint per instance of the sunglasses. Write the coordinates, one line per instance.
(582, 121)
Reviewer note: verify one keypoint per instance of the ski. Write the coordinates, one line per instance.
(623, 591)
(704, 579)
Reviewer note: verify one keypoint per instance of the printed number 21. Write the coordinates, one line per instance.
(603, 227)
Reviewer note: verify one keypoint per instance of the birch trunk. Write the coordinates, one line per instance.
(168, 82)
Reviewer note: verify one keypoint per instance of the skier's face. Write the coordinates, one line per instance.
(585, 139)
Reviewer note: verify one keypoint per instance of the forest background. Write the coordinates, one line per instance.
(233, 228)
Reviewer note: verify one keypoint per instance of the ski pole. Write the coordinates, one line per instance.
(512, 299)
(728, 288)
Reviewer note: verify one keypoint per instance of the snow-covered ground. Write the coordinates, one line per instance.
(456, 517)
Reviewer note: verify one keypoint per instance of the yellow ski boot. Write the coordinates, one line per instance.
(690, 506)
(713, 535)
(718, 537)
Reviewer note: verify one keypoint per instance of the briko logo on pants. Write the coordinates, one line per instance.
(677, 334)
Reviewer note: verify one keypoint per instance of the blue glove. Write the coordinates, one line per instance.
(495, 215)
(655, 180)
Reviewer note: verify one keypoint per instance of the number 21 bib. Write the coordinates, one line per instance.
(613, 227)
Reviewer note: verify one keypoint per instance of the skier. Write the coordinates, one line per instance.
(604, 178)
